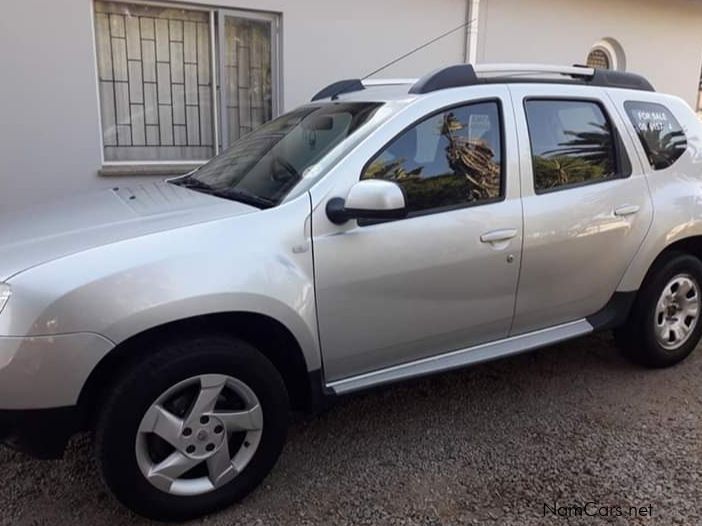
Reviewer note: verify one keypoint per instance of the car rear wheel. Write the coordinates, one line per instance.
(193, 428)
(664, 326)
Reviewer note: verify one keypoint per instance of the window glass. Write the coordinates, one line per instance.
(246, 57)
(571, 143)
(661, 135)
(155, 82)
(449, 159)
(263, 166)
(155, 70)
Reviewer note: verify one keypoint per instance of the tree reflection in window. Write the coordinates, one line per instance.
(447, 160)
(659, 131)
(571, 141)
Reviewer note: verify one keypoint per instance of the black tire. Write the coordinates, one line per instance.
(637, 337)
(136, 391)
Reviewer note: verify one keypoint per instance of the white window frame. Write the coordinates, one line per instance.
(216, 17)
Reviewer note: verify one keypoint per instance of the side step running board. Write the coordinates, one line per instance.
(463, 357)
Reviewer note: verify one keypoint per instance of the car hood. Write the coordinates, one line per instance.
(56, 229)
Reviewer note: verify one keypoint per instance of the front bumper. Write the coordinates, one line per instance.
(42, 372)
(42, 433)
(41, 378)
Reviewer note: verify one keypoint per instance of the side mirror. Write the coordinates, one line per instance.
(368, 199)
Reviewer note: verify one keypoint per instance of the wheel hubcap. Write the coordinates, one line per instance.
(677, 312)
(204, 444)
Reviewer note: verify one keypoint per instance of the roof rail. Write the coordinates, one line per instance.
(340, 87)
(461, 75)
(335, 89)
(388, 82)
(539, 69)
(448, 77)
(468, 75)
(620, 79)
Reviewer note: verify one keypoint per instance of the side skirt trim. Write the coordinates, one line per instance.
(463, 357)
(614, 313)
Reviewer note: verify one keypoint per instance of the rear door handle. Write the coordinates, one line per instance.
(626, 210)
(495, 236)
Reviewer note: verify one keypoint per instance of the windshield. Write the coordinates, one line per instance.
(263, 166)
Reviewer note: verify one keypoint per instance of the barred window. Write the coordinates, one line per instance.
(247, 60)
(156, 70)
(599, 59)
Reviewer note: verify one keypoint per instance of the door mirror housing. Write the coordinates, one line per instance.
(368, 199)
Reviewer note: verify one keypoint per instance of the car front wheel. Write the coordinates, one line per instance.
(193, 428)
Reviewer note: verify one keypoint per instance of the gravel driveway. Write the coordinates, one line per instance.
(488, 445)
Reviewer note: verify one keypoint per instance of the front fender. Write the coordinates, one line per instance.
(260, 263)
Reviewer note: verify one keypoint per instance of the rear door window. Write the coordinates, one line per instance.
(660, 133)
(572, 143)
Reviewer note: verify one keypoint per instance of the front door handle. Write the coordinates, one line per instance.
(495, 236)
(626, 210)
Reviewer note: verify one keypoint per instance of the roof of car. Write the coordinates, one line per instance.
(463, 75)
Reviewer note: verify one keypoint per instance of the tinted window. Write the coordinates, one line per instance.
(660, 133)
(263, 166)
(449, 159)
(571, 143)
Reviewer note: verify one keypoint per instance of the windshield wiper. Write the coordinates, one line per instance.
(245, 197)
(226, 193)
(195, 184)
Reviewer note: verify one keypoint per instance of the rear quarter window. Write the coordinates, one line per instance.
(660, 133)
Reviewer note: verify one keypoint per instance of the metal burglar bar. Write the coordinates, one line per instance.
(247, 68)
(155, 77)
(598, 59)
(155, 82)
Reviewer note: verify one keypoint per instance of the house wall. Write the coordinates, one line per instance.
(49, 118)
(49, 127)
(661, 40)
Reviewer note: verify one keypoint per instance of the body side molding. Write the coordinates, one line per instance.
(463, 357)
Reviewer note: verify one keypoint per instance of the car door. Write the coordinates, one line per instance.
(586, 202)
(444, 277)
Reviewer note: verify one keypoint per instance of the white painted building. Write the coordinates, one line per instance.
(661, 39)
(97, 93)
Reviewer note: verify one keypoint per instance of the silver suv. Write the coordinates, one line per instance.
(385, 231)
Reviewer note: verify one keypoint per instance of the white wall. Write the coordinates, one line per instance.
(661, 40)
(328, 40)
(49, 131)
(48, 114)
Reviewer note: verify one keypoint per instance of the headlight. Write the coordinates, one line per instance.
(5, 293)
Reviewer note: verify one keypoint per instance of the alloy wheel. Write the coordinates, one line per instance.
(199, 434)
(677, 312)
